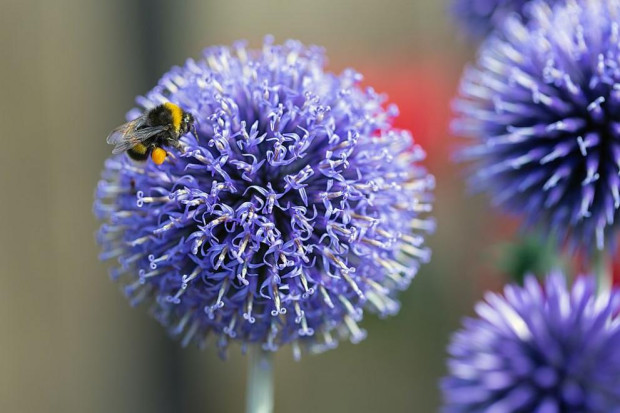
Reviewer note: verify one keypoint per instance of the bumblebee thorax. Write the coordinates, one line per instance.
(167, 114)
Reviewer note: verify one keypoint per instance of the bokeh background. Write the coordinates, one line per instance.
(69, 342)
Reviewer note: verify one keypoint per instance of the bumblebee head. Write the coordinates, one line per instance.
(187, 122)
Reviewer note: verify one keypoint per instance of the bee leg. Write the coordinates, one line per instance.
(178, 146)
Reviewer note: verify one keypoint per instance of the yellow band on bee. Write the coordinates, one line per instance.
(139, 148)
(177, 114)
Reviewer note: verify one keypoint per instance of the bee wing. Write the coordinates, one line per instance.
(130, 134)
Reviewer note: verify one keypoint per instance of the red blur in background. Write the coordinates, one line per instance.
(422, 90)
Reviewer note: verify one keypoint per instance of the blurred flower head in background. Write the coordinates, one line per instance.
(478, 18)
(296, 207)
(538, 349)
(543, 106)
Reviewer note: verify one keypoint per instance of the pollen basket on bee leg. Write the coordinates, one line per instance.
(158, 156)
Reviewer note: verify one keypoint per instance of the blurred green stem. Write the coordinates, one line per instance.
(260, 381)
(603, 270)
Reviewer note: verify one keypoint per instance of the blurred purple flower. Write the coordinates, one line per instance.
(478, 18)
(297, 207)
(538, 349)
(543, 106)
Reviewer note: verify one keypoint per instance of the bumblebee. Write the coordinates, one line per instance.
(149, 133)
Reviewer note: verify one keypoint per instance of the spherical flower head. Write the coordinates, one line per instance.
(538, 349)
(543, 106)
(296, 207)
(478, 18)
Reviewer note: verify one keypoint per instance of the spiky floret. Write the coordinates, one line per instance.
(542, 104)
(297, 206)
(478, 18)
(538, 349)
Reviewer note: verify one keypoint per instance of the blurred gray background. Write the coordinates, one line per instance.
(69, 342)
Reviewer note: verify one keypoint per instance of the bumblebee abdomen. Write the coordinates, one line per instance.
(139, 152)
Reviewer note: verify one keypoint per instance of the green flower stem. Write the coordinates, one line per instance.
(260, 381)
(603, 270)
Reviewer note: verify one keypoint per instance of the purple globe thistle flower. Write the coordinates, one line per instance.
(297, 206)
(478, 18)
(543, 106)
(538, 349)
